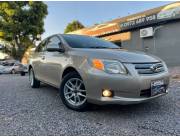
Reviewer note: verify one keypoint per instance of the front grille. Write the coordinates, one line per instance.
(149, 68)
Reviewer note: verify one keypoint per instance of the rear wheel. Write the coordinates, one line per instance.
(73, 92)
(13, 72)
(33, 81)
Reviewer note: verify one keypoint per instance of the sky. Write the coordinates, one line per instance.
(60, 13)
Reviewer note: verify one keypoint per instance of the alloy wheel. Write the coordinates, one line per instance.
(74, 92)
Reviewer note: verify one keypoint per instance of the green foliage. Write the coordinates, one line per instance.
(74, 25)
(21, 22)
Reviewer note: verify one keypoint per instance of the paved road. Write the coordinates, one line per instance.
(26, 111)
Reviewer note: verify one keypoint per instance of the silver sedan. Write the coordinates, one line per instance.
(91, 70)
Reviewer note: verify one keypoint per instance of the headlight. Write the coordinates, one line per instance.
(109, 66)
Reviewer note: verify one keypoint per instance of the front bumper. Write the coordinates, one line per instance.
(127, 89)
(123, 100)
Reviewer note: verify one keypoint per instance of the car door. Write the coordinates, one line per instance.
(16, 67)
(52, 65)
(38, 60)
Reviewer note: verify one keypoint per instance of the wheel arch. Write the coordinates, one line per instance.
(69, 69)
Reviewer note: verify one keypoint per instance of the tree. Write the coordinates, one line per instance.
(74, 25)
(20, 23)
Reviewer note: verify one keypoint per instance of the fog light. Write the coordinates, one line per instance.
(107, 93)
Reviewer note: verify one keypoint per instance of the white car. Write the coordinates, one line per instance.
(2, 69)
(13, 68)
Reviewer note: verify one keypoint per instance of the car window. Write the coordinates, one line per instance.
(53, 42)
(10, 64)
(77, 41)
(17, 64)
(41, 47)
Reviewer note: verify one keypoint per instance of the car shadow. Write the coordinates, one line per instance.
(126, 108)
(49, 90)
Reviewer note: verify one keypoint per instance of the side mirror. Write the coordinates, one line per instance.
(55, 49)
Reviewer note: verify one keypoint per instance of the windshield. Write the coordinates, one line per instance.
(77, 41)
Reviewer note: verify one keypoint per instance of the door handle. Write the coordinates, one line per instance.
(43, 57)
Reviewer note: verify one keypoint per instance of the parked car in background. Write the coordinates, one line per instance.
(91, 70)
(13, 67)
(1, 69)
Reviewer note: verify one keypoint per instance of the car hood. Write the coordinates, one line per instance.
(118, 54)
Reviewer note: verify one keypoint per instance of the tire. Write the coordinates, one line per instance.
(33, 81)
(79, 93)
(13, 71)
(23, 73)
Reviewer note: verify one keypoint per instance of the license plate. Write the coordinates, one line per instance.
(157, 87)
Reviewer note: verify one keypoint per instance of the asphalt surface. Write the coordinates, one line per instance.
(26, 111)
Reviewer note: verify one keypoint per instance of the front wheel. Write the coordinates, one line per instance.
(33, 81)
(73, 92)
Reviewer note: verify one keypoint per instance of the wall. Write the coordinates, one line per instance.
(165, 44)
